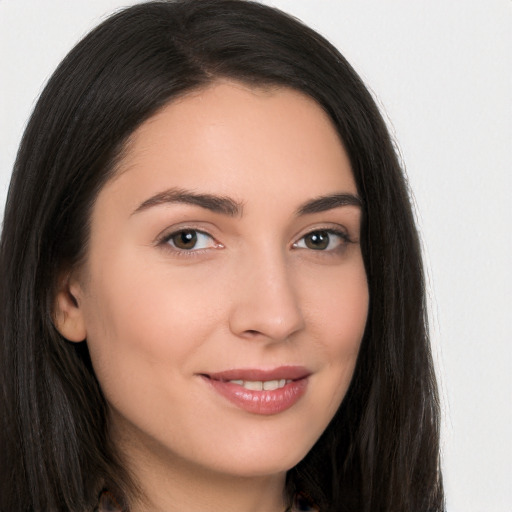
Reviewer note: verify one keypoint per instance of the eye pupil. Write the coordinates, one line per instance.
(318, 240)
(185, 239)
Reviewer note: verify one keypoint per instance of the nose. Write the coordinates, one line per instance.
(266, 304)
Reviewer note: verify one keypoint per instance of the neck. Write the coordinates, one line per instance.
(212, 494)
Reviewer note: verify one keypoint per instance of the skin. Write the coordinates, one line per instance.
(250, 294)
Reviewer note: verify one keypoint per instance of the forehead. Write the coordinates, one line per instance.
(233, 139)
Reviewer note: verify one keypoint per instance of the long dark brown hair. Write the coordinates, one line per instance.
(381, 451)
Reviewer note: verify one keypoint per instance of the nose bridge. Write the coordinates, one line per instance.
(266, 301)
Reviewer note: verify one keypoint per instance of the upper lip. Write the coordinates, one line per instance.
(258, 374)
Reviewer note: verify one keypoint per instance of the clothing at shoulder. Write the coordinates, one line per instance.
(108, 503)
(303, 504)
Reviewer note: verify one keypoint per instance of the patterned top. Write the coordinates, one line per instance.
(108, 503)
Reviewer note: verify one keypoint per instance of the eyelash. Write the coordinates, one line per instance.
(192, 252)
(344, 239)
(167, 239)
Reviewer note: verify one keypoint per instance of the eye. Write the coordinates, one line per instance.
(322, 240)
(190, 240)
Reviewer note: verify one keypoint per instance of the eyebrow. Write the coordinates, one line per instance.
(214, 203)
(232, 208)
(329, 202)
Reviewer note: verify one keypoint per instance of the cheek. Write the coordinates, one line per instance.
(139, 322)
(338, 311)
(348, 316)
(337, 305)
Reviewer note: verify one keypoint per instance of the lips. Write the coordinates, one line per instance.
(281, 372)
(260, 391)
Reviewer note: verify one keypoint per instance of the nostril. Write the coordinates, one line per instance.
(251, 333)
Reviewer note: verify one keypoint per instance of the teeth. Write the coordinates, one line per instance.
(253, 385)
(269, 385)
(258, 385)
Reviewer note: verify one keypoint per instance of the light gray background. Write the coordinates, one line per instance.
(441, 71)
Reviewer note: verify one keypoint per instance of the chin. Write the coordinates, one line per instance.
(262, 456)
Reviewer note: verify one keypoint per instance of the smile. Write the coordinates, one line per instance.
(264, 392)
(259, 385)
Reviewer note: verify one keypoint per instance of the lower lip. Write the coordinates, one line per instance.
(264, 402)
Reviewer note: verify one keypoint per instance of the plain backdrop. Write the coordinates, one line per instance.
(441, 72)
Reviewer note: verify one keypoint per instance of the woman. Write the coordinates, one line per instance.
(212, 291)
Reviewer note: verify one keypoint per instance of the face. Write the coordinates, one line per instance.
(224, 296)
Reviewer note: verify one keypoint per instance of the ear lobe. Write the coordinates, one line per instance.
(68, 315)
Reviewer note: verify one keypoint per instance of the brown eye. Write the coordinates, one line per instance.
(184, 239)
(322, 240)
(190, 240)
(318, 240)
